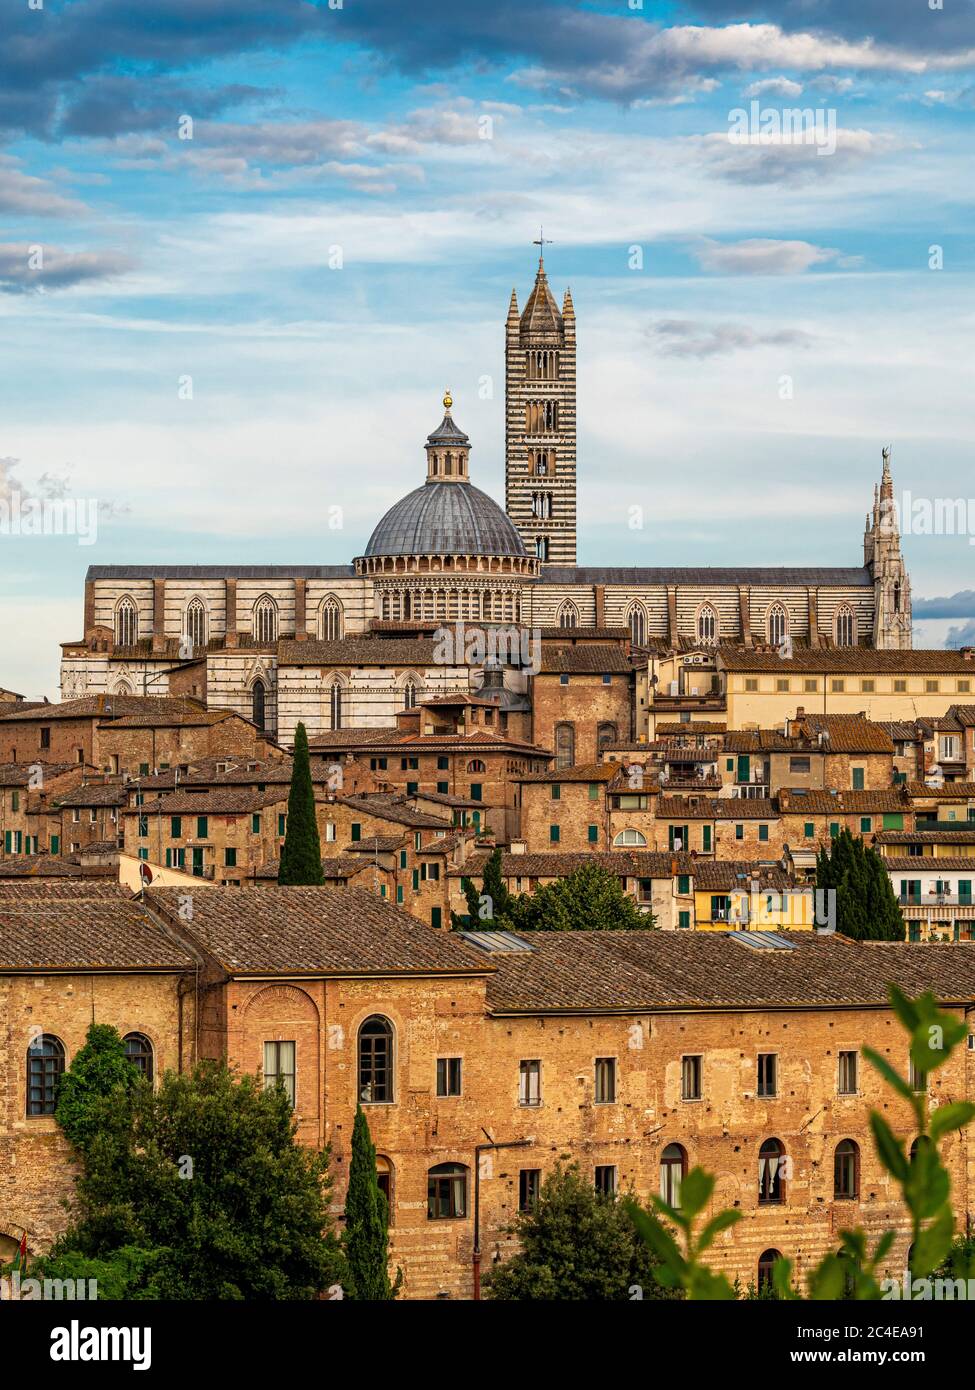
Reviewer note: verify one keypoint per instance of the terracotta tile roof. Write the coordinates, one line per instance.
(376, 844)
(666, 729)
(951, 791)
(40, 866)
(84, 933)
(589, 661)
(724, 875)
(398, 809)
(95, 794)
(794, 801)
(174, 719)
(352, 738)
(570, 635)
(336, 867)
(716, 808)
(914, 863)
(360, 651)
(767, 741)
(663, 970)
(550, 864)
(850, 733)
(105, 706)
(902, 730)
(222, 801)
(853, 660)
(318, 931)
(965, 714)
(20, 774)
(583, 772)
(41, 890)
(948, 831)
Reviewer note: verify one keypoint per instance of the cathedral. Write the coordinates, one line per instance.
(349, 646)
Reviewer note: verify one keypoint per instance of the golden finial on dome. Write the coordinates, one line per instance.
(448, 399)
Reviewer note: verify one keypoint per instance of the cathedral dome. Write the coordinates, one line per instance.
(445, 518)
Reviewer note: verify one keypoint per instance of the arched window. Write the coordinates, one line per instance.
(565, 745)
(335, 705)
(384, 1181)
(673, 1167)
(766, 1263)
(138, 1049)
(771, 1172)
(846, 1170)
(123, 688)
(568, 615)
(330, 619)
(605, 735)
(446, 1191)
(845, 627)
(897, 597)
(541, 548)
(707, 624)
(637, 623)
(259, 703)
(476, 765)
(376, 1060)
(265, 626)
(630, 839)
(777, 623)
(45, 1067)
(195, 625)
(409, 695)
(126, 623)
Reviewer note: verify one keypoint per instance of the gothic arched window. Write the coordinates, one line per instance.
(335, 705)
(673, 1168)
(707, 624)
(568, 615)
(605, 735)
(45, 1067)
(330, 620)
(126, 623)
(195, 625)
(845, 627)
(637, 623)
(409, 694)
(376, 1060)
(138, 1049)
(258, 703)
(565, 745)
(778, 624)
(265, 620)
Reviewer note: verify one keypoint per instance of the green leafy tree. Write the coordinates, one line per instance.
(866, 907)
(854, 1271)
(198, 1190)
(301, 853)
(97, 1086)
(367, 1222)
(493, 907)
(576, 1245)
(589, 899)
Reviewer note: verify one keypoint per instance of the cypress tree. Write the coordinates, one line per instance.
(301, 855)
(367, 1222)
(866, 908)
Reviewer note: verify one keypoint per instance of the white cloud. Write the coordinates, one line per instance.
(761, 256)
(774, 87)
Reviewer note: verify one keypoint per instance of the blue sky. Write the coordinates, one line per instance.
(337, 242)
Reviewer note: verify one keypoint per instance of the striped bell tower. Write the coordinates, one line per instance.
(540, 421)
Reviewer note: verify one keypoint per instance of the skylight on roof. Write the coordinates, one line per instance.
(496, 941)
(761, 940)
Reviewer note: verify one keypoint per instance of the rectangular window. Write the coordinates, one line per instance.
(837, 686)
(443, 763)
(556, 791)
(809, 830)
(279, 1066)
(592, 833)
(55, 844)
(443, 788)
(799, 765)
(739, 832)
(676, 837)
(355, 831)
(563, 679)
(918, 1078)
(143, 825)
(230, 857)
(751, 683)
(690, 1078)
(605, 1180)
(476, 791)
(846, 1083)
(865, 824)
(412, 788)
(605, 1090)
(683, 883)
(448, 1076)
(683, 919)
(858, 778)
(834, 829)
(553, 834)
(175, 827)
(593, 791)
(416, 880)
(281, 821)
(530, 1082)
(767, 1079)
(399, 893)
(529, 1186)
(893, 820)
(706, 838)
(900, 687)
(810, 686)
(436, 917)
(330, 832)
(15, 801)
(202, 827)
(763, 832)
(782, 684)
(45, 738)
(931, 687)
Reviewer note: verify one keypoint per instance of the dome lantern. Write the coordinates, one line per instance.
(448, 449)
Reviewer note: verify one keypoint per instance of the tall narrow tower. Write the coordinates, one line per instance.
(540, 421)
(891, 581)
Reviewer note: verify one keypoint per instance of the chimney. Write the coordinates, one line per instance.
(968, 653)
(518, 847)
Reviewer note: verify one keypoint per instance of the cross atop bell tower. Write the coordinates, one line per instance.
(540, 419)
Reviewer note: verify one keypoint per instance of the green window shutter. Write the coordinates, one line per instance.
(730, 765)
(143, 769)
(475, 791)
(763, 832)
(436, 916)
(553, 834)
(858, 779)
(593, 833)
(399, 892)
(556, 791)
(416, 880)
(143, 852)
(281, 819)
(476, 819)
(443, 763)
(684, 919)
(865, 823)
(402, 857)
(593, 791)
(230, 858)
(382, 890)
(739, 832)
(706, 837)
(417, 840)
(965, 890)
(443, 788)
(6, 841)
(143, 825)
(834, 828)
(255, 824)
(893, 820)
(175, 827)
(202, 828)
(744, 771)
(55, 844)
(411, 788)
(683, 883)
(809, 830)
(169, 859)
(356, 830)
